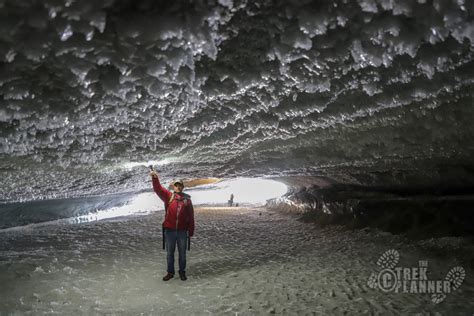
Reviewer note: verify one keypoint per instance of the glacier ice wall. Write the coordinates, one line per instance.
(369, 92)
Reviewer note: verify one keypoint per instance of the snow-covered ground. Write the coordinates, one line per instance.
(242, 261)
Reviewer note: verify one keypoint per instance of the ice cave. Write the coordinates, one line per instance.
(236, 157)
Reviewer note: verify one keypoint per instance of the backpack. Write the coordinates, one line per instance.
(186, 198)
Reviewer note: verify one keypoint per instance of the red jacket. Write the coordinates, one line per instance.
(181, 205)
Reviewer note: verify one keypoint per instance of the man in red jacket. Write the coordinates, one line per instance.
(178, 224)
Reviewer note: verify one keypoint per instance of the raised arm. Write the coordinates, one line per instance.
(158, 188)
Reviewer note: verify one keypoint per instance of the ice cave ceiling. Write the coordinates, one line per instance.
(373, 92)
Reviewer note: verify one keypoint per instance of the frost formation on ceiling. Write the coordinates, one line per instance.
(348, 89)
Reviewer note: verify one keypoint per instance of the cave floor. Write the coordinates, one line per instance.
(242, 261)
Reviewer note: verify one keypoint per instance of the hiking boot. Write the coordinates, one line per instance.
(168, 276)
(182, 276)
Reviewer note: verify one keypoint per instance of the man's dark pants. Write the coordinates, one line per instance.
(172, 238)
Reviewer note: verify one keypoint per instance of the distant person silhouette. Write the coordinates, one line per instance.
(231, 200)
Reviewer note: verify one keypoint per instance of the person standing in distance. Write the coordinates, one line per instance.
(178, 223)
